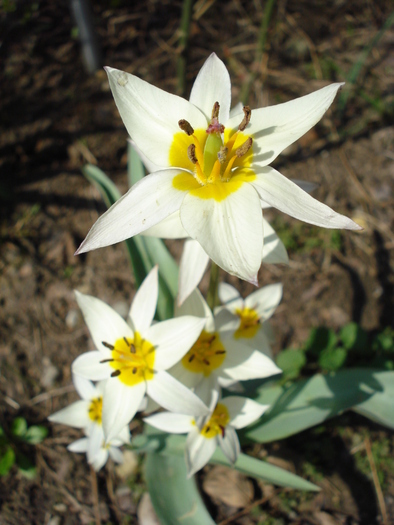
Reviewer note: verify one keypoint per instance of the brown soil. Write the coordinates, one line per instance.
(55, 118)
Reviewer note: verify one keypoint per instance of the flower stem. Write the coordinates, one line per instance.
(213, 296)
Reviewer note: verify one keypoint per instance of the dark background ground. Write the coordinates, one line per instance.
(55, 118)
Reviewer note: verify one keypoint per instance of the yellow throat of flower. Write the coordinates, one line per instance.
(217, 422)
(95, 410)
(211, 158)
(206, 354)
(249, 325)
(132, 359)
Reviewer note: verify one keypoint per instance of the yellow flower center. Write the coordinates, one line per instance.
(205, 355)
(249, 325)
(217, 422)
(132, 359)
(96, 409)
(216, 162)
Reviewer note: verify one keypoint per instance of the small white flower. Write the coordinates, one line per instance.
(216, 356)
(215, 429)
(211, 170)
(134, 357)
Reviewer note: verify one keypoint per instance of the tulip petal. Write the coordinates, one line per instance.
(194, 262)
(150, 114)
(84, 387)
(230, 444)
(115, 454)
(265, 300)
(196, 305)
(274, 251)
(198, 451)
(243, 411)
(230, 295)
(289, 198)
(243, 363)
(169, 228)
(230, 231)
(212, 85)
(171, 423)
(96, 439)
(90, 366)
(144, 304)
(80, 445)
(148, 202)
(75, 415)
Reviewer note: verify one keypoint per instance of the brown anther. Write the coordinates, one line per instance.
(207, 429)
(220, 352)
(116, 373)
(132, 348)
(211, 339)
(191, 153)
(186, 127)
(215, 110)
(191, 358)
(222, 154)
(222, 429)
(107, 345)
(107, 360)
(206, 362)
(126, 341)
(242, 150)
(245, 121)
(134, 370)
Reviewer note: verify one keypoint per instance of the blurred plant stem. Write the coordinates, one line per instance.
(213, 295)
(261, 46)
(184, 43)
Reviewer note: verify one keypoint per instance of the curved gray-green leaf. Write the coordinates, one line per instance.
(380, 406)
(175, 499)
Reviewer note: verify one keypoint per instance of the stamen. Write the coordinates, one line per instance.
(222, 429)
(116, 373)
(242, 150)
(245, 121)
(186, 127)
(132, 348)
(220, 352)
(215, 110)
(107, 360)
(191, 358)
(126, 341)
(191, 153)
(107, 345)
(208, 428)
(222, 154)
(135, 370)
(206, 362)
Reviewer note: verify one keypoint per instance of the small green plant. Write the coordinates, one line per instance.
(13, 442)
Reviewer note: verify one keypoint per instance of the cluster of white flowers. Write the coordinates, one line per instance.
(208, 183)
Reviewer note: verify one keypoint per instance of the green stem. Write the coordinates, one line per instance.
(213, 295)
(184, 41)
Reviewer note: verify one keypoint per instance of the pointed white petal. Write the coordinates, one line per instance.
(187, 378)
(198, 451)
(84, 387)
(276, 127)
(225, 320)
(228, 293)
(208, 390)
(243, 363)
(75, 415)
(194, 262)
(120, 404)
(212, 85)
(115, 454)
(259, 342)
(196, 305)
(100, 459)
(103, 322)
(146, 203)
(230, 231)
(80, 445)
(150, 114)
(265, 300)
(171, 423)
(230, 444)
(89, 365)
(144, 304)
(173, 338)
(305, 185)
(274, 251)
(174, 396)
(96, 439)
(243, 411)
(289, 198)
(169, 228)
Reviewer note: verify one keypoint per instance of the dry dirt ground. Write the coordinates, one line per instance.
(56, 117)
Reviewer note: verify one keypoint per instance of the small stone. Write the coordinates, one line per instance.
(146, 513)
(129, 465)
(72, 318)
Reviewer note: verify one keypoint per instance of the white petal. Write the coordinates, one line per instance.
(84, 387)
(230, 444)
(208, 390)
(196, 305)
(144, 304)
(276, 127)
(171, 423)
(289, 198)
(174, 396)
(173, 338)
(230, 231)
(265, 300)
(187, 378)
(148, 202)
(305, 185)
(150, 114)
(75, 415)
(228, 293)
(96, 439)
(194, 262)
(103, 322)
(259, 342)
(120, 404)
(212, 85)
(100, 459)
(115, 454)
(198, 451)
(243, 411)
(169, 228)
(150, 166)
(80, 445)
(274, 251)
(243, 363)
(90, 366)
